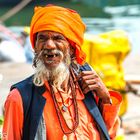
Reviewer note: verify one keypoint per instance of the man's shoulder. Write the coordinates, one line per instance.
(15, 90)
(13, 96)
(23, 83)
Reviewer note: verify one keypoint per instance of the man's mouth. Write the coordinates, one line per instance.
(51, 55)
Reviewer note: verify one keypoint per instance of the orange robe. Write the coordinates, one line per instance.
(13, 122)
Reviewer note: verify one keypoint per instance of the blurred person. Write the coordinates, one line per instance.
(28, 50)
(11, 50)
(27, 46)
(52, 103)
(3, 57)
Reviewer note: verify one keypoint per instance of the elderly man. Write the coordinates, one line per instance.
(50, 104)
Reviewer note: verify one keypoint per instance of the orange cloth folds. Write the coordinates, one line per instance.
(61, 20)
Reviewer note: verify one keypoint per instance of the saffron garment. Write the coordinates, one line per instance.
(86, 129)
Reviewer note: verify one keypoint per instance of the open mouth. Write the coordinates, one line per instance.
(51, 55)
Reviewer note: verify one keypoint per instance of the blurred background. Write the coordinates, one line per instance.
(113, 32)
(99, 15)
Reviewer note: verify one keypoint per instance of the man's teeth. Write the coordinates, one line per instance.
(50, 55)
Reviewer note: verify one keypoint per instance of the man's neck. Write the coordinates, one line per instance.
(65, 84)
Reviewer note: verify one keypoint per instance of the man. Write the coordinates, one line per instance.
(49, 105)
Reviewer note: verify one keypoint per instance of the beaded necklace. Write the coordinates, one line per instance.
(64, 108)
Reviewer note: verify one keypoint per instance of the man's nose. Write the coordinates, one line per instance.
(50, 44)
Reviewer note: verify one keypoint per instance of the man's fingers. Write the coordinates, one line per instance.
(88, 73)
(92, 87)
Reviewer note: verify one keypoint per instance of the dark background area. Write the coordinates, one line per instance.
(86, 8)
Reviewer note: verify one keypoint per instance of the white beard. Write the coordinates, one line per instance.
(55, 76)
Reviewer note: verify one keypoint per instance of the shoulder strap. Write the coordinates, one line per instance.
(93, 108)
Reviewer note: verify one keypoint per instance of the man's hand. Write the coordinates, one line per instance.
(90, 81)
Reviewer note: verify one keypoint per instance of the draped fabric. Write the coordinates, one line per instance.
(62, 20)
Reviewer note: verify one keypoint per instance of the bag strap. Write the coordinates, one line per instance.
(94, 110)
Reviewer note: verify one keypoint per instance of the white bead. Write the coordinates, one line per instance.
(64, 137)
(64, 108)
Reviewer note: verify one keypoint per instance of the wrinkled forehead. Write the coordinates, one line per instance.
(50, 33)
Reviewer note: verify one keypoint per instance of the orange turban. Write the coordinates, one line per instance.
(61, 20)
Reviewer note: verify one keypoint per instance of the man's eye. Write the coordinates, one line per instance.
(41, 39)
(58, 38)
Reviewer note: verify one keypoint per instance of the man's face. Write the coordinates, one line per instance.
(53, 47)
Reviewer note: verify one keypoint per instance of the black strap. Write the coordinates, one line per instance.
(93, 108)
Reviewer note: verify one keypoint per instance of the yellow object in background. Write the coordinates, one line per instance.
(106, 53)
(26, 30)
(120, 134)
